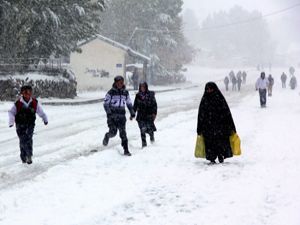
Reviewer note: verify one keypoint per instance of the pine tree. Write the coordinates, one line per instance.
(41, 28)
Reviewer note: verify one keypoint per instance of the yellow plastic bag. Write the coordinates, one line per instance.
(235, 143)
(200, 148)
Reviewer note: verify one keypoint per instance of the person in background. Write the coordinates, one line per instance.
(270, 85)
(146, 107)
(234, 82)
(239, 75)
(23, 114)
(244, 75)
(226, 82)
(114, 104)
(239, 82)
(215, 123)
(283, 80)
(135, 79)
(293, 82)
(262, 86)
(231, 75)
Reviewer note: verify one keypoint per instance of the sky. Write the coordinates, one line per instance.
(284, 27)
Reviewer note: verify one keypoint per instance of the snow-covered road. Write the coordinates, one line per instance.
(73, 131)
(164, 184)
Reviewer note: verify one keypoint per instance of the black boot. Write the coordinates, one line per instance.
(144, 144)
(152, 139)
(212, 162)
(105, 140)
(28, 160)
(23, 159)
(126, 151)
(144, 140)
(221, 159)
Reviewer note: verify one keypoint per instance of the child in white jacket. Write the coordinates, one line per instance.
(23, 114)
(262, 86)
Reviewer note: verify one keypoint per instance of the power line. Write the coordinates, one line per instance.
(226, 25)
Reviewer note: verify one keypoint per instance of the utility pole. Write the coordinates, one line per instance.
(132, 36)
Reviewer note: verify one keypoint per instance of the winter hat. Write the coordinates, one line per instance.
(119, 78)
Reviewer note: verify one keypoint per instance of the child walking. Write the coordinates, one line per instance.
(23, 114)
(114, 104)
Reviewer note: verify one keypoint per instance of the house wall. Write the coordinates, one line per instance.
(97, 56)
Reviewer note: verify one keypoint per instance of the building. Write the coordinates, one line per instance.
(100, 60)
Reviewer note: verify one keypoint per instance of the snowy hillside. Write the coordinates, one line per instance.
(163, 184)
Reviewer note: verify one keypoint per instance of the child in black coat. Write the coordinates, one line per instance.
(146, 107)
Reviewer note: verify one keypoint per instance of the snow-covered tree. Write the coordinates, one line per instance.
(41, 28)
(159, 32)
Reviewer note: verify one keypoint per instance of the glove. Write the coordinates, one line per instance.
(46, 123)
(10, 126)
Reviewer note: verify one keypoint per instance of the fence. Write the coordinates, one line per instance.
(25, 65)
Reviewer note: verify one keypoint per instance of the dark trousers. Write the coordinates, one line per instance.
(146, 127)
(263, 97)
(115, 123)
(226, 86)
(25, 134)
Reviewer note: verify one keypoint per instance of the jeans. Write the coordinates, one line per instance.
(25, 134)
(263, 97)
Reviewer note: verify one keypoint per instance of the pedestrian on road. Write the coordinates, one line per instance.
(226, 82)
(114, 104)
(270, 86)
(239, 82)
(234, 82)
(283, 80)
(146, 107)
(231, 75)
(293, 82)
(262, 86)
(23, 114)
(215, 123)
(244, 75)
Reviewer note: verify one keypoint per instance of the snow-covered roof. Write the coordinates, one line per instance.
(137, 65)
(127, 49)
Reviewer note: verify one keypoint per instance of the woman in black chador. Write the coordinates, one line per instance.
(215, 123)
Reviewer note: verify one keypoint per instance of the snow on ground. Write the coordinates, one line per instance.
(163, 184)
